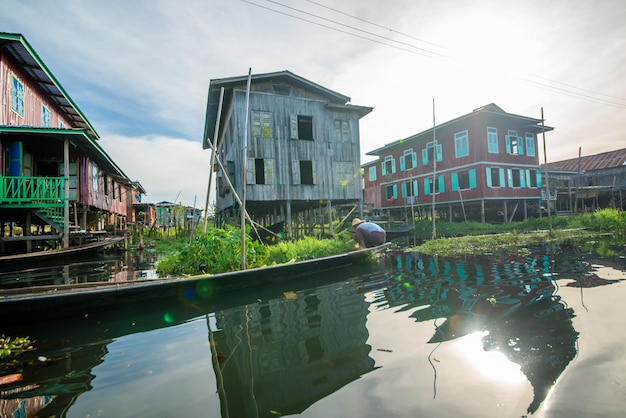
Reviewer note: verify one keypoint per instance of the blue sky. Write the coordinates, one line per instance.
(139, 70)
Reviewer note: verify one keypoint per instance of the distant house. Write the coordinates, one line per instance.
(54, 176)
(302, 149)
(480, 166)
(170, 214)
(589, 182)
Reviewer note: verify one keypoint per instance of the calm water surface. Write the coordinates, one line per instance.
(492, 336)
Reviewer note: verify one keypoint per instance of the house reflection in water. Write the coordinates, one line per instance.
(515, 302)
(286, 354)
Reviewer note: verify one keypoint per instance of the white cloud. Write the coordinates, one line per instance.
(171, 169)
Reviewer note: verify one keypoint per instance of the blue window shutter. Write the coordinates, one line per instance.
(528, 182)
(509, 174)
(402, 165)
(425, 156)
(15, 151)
(393, 165)
(455, 181)
(383, 169)
(441, 185)
(414, 159)
(539, 178)
(403, 189)
(488, 174)
(395, 191)
(508, 144)
(415, 189)
(520, 145)
(522, 179)
(502, 177)
(426, 186)
(439, 153)
(472, 179)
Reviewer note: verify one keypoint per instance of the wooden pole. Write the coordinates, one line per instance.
(545, 161)
(66, 193)
(214, 149)
(244, 173)
(434, 236)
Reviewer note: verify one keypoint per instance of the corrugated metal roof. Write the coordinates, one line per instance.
(284, 77)
(16, 46)
(534, 125)
(600, 161)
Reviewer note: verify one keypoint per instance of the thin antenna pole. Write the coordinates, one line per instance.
(434, 236)
(244, 164)
(545, 161)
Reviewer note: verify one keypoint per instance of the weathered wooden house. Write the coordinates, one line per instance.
(55, 179)
(298, 154)
(480, 166)
(588, 182)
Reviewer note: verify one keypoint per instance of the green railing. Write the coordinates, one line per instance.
(32, 191)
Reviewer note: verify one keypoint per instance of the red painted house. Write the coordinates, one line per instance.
(480, 166)
(55, 178)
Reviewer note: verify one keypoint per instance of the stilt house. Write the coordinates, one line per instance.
(480, 166)
(588, 182)
(55, 179)
(297, 159)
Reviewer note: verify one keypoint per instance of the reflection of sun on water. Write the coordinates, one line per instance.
(492, 364)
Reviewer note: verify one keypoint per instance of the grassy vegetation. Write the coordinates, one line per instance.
(219, 251)
(475, 238)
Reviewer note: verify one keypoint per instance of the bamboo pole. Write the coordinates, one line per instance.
(434, 236)
(545, 161)
(244, 174)
(214, 149)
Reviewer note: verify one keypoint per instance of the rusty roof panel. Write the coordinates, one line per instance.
(600, 161)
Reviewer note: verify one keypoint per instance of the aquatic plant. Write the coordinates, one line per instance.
(14, 346)
(219, 251)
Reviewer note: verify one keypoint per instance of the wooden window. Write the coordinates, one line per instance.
(514, 144)
(495, 177)
(119, 193)
(439, 186)
(464, 180)
(342, 131)
(408, 160)
(430, 152)
(516, 178)
(306, 172)
(94, 176)
(261, 124)
(302, 127)
(17, 97)
(391, 192)
(388, 166)
(372, 172)
(409, 188)
(530, 144)
(45, 117)
(492, 140)
(533, 178)
(260, 171)
(461, 144)
(303, 172)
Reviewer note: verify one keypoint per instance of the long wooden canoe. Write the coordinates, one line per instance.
(74, 250)
(31, 303)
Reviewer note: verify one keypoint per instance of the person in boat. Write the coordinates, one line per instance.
(368, 234)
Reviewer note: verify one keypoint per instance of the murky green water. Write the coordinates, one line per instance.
(416, 336)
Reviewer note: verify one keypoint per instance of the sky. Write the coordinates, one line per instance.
(139, 70)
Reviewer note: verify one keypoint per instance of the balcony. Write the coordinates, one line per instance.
(32, 192)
